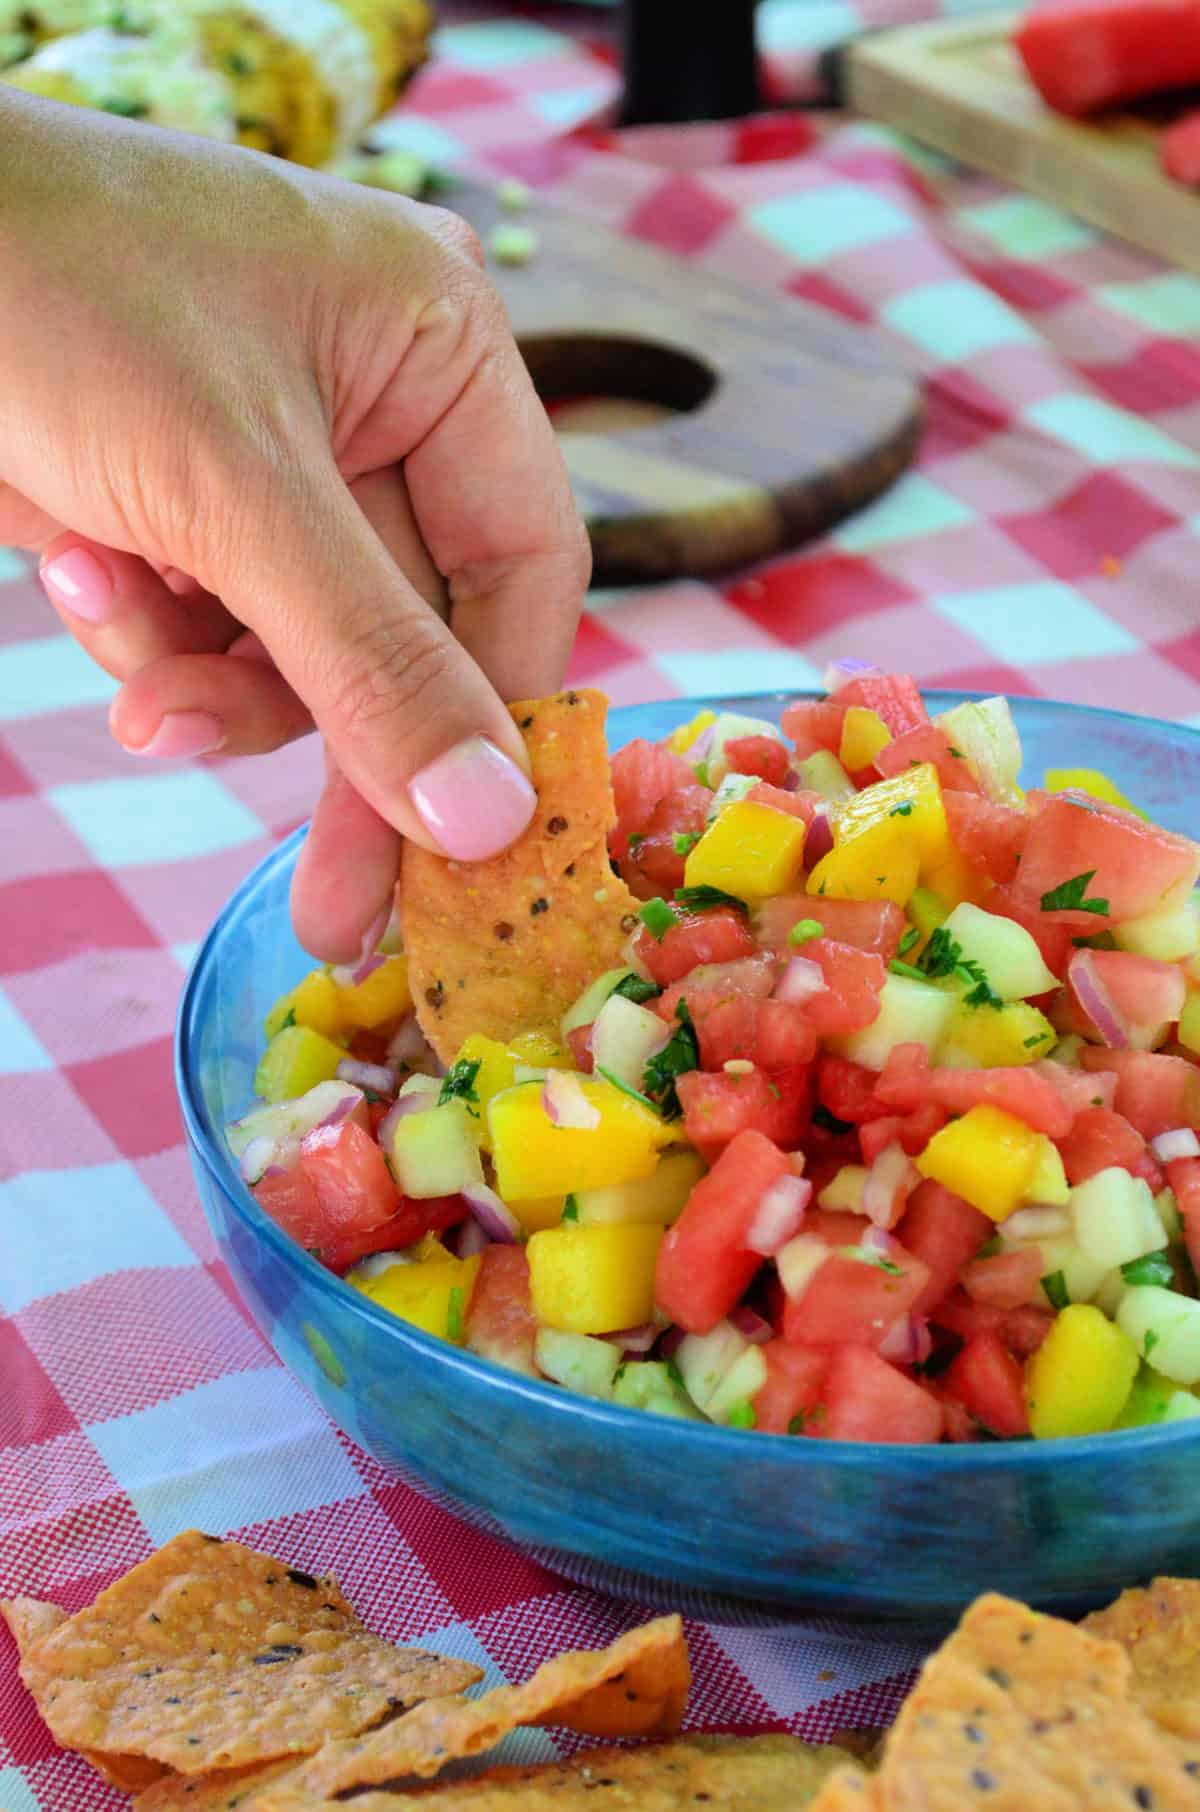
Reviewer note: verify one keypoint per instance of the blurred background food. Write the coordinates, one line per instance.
(302, 79)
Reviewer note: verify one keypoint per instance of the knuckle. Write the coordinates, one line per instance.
(453, 234)
(396, 679)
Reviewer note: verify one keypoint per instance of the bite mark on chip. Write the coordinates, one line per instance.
(506, 946)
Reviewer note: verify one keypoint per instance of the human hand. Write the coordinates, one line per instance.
(305, 397)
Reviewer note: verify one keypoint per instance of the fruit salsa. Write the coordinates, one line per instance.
(881, 1126)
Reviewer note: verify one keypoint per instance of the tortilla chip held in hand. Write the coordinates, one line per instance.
(1159, 1628)
(507, 946)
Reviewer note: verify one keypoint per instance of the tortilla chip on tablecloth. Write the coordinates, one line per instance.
(648, 1664)
(506, 946)
(210, 1655)
(1158, 1626)
(224, 1790)
(31, 1619)
(769, 1773)
(1019, 1712)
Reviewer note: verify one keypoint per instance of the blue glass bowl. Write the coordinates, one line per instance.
(710, 1518)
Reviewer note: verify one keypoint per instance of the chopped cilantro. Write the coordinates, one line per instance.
(1150, 1342)
(624, 1087)
(1097, 1100)
(830, 1123)
(620, 1372)
(1038, 1038)
(126, 109)
(899, 968)
(881, 1263)
(741, 1415)
(1151, 1268)
(680, 1054)
(957, 753)
(701, 772)
(674, 1374)
(1072, 896)
(570, 1209)
(941, 954)
(458, 1084)
(1055, 1286)
(821, 888)
(636, 838)
(773, 1088)
(990, 1247)
(683, 842)
(903, 810)
(700, 899)
(658, 919)
(371, 1096)
(804, 931)
(454, 1313)
(288, 1020)
(911, 936)
(637, 989)
(796, 1425)
(981, 994)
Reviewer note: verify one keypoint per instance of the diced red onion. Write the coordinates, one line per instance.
(671, 1342)
(342, 1109)
(1096, 1001)
(818, 839)
(840, 673)
(468, 1238)
(408, 1046)
(376, 1263)
(698, 751)
(879, 1242)
(494, 1216)
(565, 1103)
(634, 1340)
(1036, 1223)
(908, 1341)
(752, 1326)
(632, 960)
(349, 975)
(888, 1184)
(1181, 1142)
(801, 979)
(260, 1159)
(791, 782)
(779, 1215)
(375, 1076)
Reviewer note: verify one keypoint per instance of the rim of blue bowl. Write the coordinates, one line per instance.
(551, 1400)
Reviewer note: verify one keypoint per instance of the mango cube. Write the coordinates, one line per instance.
(433, 1295)
(497, 1070)
(864, 734)
(1079, 1380)
(591, 1280)
(540, 1051)
(381, 996)
(1090, 781)
(313, 1003)
(988, 1157)
(990, 1037)
(912, 800)
(295, 1061)
(535, 1158)
(681, 740)
(881, 863)
(1049, 1187)
(545, 1211)
(751, 851)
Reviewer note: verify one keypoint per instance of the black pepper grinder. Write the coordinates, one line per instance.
(686, 62)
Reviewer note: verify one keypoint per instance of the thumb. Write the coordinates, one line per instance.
(407, 715)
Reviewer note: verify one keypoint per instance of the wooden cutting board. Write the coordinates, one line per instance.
(959, 86)
(791, 417)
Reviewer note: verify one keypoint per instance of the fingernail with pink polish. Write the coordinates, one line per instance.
(183, 734)
(473, 799)
(81, 583)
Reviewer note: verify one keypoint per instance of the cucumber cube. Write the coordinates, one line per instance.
(1115, 1218)
(435, 1151)
(822, 772)
(704, 1359)
(592, 999)
(578, 1362)
(294, 1062)
(659, 1198)
(744, 1379)
(1004, 950)
(1165, 1328)
(648, 1384)
(910, 1012)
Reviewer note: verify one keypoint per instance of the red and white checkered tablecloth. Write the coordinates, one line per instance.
(1048, 541)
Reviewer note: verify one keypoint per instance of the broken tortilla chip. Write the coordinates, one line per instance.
(224, 1790)
(769, 1773)
(848, 1789)
(655, 1656)
(31, 1619)
(1159, 1629)
(506, 946)
(210, 1655)
(1019, 1712)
